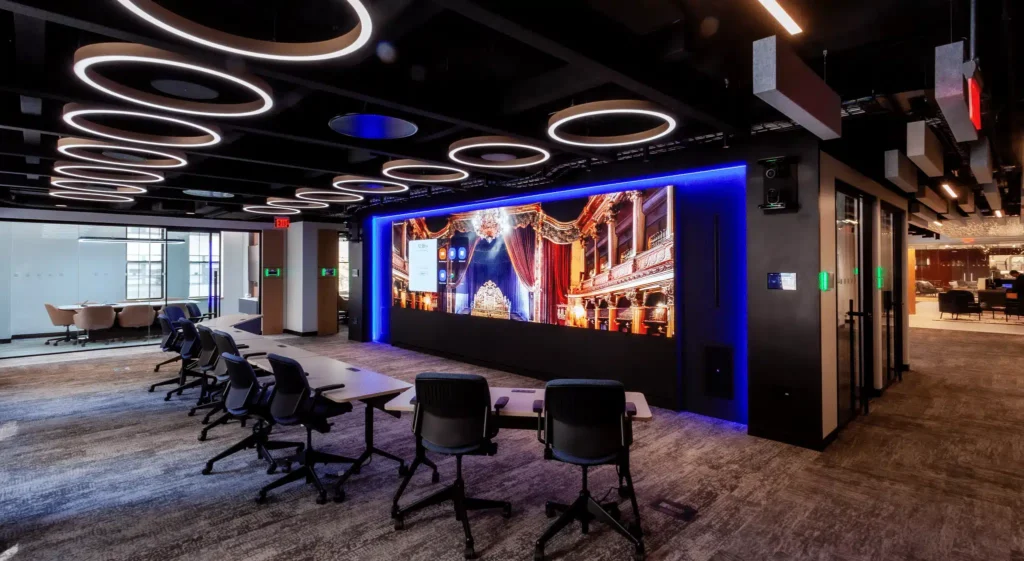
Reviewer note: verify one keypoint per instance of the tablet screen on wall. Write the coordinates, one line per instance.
(423, 265)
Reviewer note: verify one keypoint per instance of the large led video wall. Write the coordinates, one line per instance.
(603, 262)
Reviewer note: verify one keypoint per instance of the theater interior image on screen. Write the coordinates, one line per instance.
(601, 262)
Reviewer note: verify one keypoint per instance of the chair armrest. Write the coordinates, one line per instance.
(240, 347)
(412, 401)
(501, 403)
(321, 390)
(538, 408)
(247, 355)
(630, 409)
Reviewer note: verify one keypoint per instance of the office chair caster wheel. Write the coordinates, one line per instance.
(339, 496)
(506, 511)
(151, 389)
(167, 398)
(639, 555)
(403, 470)
(470, 553)
(624, 491)
(399, 523)
(549, 510)
(261, 499)
(207, 470)
(272, 469)
(321, 499)
(614, 512)
(191, 412)
(635, 529)
(538, 554)
(435, 478)
(202, 437)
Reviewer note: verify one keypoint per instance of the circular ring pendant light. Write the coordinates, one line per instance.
(91, 197)
(360, 184)
(444, 174)
(282, 202)
(454, 150)
(87, 58)
(271, 50)
(74, 169)
(614, 107)
(78, 148)
(79, 116)
(264, 209)
(325, 196)
(102, 187)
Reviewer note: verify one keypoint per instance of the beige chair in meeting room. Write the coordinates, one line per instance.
(136, 316)
(60, 318)
(92, 318)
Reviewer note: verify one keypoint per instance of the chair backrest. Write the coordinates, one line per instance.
(139, 315)
(59, 317)
(225, 342)
(95, 317)
(992, 297)
(585, 419)
(168, 332)
(193, 309)
(243, 385)
(291, 390)
(190, 346)
(174, 313)
(208, 355)
(453, 410)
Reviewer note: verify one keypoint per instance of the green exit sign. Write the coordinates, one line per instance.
(272, 272)
(328, 272)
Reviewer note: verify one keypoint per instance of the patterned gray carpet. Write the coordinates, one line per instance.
(92, 467)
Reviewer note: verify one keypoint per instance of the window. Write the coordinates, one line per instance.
(343, 268)
(203, 261)
(145, 274)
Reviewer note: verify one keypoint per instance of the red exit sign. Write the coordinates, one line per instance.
(282, 221)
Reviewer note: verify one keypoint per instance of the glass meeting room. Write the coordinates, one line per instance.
(74, 287)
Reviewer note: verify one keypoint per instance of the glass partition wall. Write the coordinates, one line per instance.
(123, 276)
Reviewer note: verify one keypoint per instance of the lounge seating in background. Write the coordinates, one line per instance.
(60, 318)
(924, 288)
(94, 318)
(958, 302)
(992, 300)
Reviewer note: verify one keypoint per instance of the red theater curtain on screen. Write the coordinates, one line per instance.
(521, 244)
(554, 281)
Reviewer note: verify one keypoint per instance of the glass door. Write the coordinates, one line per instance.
(848, 302)
(889, 279)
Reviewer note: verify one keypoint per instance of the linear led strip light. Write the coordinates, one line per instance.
(90, 186)
(82, 118)
(95, 172)
(91, 197)
(610, 108)
(397, 169)
(89, 57)
(187, 29)
(781, 16)
(80, 148)
(487, 142)
(283, 202)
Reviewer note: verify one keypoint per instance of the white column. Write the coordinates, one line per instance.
(611, 240)
(671, 211)
(638, 221)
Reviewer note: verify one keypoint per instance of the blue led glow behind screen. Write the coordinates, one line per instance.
(721, 188)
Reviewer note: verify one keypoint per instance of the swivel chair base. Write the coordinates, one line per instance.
(168, 361)
(260, 440)
(309, 458)
(455, 492)
(66, 338)
(586, 509)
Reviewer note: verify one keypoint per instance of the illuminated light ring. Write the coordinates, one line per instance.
(264, 209)
(541, 156)
(342, 183)
(614, 107)
(325, 196)
(91, 197)
(141, 176)
(89, 56)
(187, 29)
(76, 115)
(282, 202)
(116, 188)
(392, 170)
(162, 160)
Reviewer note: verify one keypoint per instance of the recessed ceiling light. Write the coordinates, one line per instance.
(61, 206)
(208, 194)
(949, 190)
(92, 197)
(999, 213)
(610, 108)
(443, 174)
(501, 161)
(281, 202)
(325, 196)
(263, 209)
(187, 29)
(372, 127)
(359, 184)
(781, 16)
(937, 223)
(90, 56)
(78, 148)
(73, 169)
(91, 186)
(79, 116)
(190, 213)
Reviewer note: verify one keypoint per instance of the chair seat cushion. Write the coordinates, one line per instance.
(570, 459)
(478, 448)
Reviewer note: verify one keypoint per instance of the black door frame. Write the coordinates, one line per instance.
(894, 371)
(862, 385)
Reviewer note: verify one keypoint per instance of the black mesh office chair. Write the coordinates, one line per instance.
(588, 423)
(225, 344)
(295, 403)
(247, 398)
(195, 314)
(452, 416)
(170, 343)
(209, 364)
(190, 352)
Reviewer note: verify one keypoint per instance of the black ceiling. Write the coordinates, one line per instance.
(461, 68)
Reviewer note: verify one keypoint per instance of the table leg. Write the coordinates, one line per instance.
(370, 450)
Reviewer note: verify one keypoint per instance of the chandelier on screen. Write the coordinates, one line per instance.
(490, 223)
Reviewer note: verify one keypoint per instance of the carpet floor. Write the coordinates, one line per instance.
(93, 467)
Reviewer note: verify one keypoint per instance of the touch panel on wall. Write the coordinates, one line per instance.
(423, 265)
